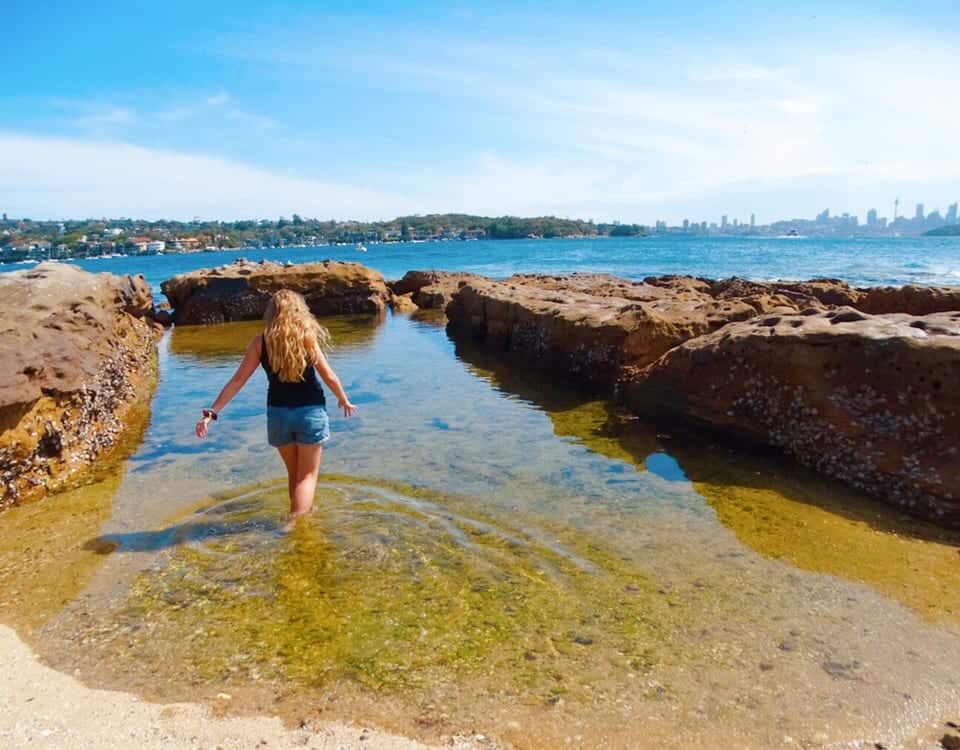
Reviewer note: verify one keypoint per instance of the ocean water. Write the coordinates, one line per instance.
(861, 261)
(493, 551)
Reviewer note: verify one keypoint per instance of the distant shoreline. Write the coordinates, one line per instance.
(32, 259)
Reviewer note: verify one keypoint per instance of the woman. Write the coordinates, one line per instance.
(291, 352)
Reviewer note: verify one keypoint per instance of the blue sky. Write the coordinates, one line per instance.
(631, 111)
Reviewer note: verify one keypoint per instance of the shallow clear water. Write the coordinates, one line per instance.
(489, 553)
(861, 261)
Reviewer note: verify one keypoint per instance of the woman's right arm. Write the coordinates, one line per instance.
(333, 383)
(251, 359)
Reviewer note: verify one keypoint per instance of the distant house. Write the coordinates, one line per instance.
(156, 246)
(474, 234)
(185, 244)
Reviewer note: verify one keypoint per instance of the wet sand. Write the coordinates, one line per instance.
(43, 708)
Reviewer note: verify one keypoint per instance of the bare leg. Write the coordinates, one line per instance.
(288, 453)
(305, 486)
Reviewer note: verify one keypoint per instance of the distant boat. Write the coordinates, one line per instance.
(793, 234)
(361, 248)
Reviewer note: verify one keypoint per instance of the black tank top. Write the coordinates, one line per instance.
(306, 392)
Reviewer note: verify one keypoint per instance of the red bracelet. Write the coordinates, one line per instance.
(211, 414)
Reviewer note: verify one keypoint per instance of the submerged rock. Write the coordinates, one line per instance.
(241, 291)
(403, 303)
(869, 399)
(431, 290)
(75, 355)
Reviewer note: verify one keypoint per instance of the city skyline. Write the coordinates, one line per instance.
(871, 219)
(370, 111)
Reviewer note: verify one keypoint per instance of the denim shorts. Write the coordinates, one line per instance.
(307, 425)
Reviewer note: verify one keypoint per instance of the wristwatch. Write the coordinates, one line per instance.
(211, 414)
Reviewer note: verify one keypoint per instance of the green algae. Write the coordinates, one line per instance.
(392, 588)
(46, 557)
(44, 562)
(786, 512)
(816, 524)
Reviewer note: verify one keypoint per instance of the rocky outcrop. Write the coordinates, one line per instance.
(869, 399)
(241, 291)
(599, 328)
(76, 356)
(431, 290)
(910, 299)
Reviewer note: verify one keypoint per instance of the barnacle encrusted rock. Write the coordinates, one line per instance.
(869, 399)
(241, 290)
(598, 328)
(76, 356)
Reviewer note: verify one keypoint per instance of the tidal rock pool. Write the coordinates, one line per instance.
(492, 554)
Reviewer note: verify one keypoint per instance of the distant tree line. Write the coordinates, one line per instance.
(297, 230)
(951, 230)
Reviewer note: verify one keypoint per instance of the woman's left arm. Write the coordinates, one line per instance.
(333, 382)
(248, 365)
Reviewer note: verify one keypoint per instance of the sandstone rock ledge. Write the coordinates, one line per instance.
(240, 291)
(600, 328)
(869, 399)
(76, 355)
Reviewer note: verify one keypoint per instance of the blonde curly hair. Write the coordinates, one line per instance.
(292, 335)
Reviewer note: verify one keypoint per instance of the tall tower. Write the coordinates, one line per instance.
(951, 214)
(919, 213)
(896, 205)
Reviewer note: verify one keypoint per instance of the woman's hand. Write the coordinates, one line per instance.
(348, 408)
(201, 428)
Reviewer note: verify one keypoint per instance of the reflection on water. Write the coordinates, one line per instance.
(493, 553)
(226, 340)
(574, 414)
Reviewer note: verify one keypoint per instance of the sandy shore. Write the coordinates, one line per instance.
(42, 708)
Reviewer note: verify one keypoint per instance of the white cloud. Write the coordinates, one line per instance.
(107, 117)
(734, 72)
(218, 99)
(65, 177)
(804, 104)
(609, 134)
(251, 119)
